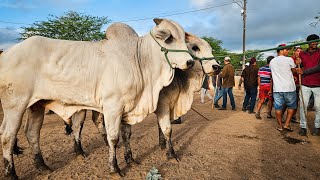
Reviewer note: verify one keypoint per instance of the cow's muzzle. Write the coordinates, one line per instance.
(216, 69)
(190, 63)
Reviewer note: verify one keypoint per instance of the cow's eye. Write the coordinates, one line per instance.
(169, 39)
(195, 48)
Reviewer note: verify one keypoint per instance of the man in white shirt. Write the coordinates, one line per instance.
(284, 88)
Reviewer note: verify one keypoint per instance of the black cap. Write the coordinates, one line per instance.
(312, 37)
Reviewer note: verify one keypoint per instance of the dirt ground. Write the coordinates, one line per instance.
(226, 145)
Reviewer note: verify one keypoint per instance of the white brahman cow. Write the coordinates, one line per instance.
(120, 77)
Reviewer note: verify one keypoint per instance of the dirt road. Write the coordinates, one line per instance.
(226, 145)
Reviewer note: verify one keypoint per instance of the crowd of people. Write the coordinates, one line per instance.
(285, 83)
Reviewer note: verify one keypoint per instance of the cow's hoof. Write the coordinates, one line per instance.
(116, 174)
(163, 145)
(132, 161)
(81, 154)
(44, 168)
(173, 156)
(12, 177)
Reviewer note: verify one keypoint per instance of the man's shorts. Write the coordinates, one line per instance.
(264, 92)
(287, 98)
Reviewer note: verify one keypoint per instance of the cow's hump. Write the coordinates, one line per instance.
(120, 31)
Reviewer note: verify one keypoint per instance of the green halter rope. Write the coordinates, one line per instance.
(165, 50)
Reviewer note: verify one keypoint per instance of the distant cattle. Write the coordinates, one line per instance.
(119, 77)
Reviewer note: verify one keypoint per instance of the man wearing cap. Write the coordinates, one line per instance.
(250, 80)
(310, 60)
(265, 88)
(227, 75)
(240, 80)
(284, 88)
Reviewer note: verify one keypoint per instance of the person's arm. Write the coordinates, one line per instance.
(312, 70)
(271, 87)
(259, 81)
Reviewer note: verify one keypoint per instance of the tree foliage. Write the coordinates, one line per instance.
(70, 26)
(236, 59)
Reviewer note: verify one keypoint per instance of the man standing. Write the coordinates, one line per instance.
(265, 88)
(310, 84)
(250, 79)
(284, 88)
(227, 75)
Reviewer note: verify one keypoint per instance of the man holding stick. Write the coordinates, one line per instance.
(284, 88)
(310, 61)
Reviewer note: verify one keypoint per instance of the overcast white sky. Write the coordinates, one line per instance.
(269, 22)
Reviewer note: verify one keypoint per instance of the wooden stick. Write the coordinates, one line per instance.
(303, 105)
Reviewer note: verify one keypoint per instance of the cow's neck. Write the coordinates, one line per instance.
(200, 76)
(155, 72)
(195, 77)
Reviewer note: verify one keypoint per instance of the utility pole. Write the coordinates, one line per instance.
(244, 15)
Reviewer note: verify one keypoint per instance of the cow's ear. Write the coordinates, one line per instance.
(162, 34)
(157, 21)
(188, 37)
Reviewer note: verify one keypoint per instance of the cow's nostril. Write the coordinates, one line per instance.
(190, 63)
(216, 68)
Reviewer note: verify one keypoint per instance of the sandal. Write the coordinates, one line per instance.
(280, 129)
(289, 129)
(270, 116)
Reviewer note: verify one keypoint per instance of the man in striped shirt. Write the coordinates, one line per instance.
(265, 88)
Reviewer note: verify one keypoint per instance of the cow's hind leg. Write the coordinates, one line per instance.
(17, 150)
(32, 130)
(11, 123)
(162, 139)
(77, 123)
(97, 119)
(165, 125)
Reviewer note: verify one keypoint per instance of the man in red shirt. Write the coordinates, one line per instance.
(310, 60)
(296, 56)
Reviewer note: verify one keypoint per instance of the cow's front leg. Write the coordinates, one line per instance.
(32, 131)
(112, 120)
(126, 135)
(165, 125)
(9, 128)
(77, 123)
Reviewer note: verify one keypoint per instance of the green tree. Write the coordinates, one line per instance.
(70, 26)
(215, 44)
(236, 59)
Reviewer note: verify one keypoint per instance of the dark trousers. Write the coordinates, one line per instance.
(250, 98)
(225, 92)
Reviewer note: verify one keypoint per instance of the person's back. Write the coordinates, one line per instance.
(250, 76)
(228, 76)
(250, 79)
(282, 75)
